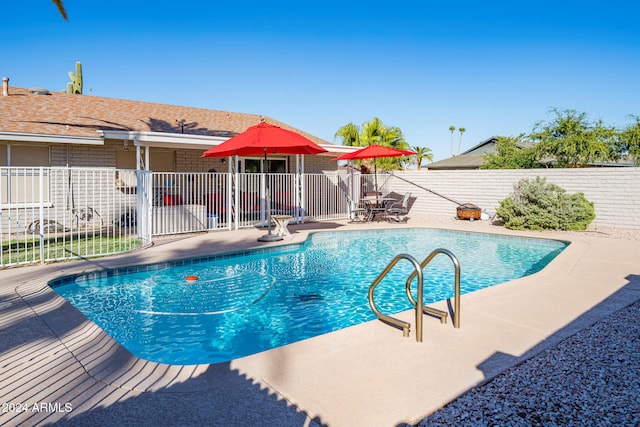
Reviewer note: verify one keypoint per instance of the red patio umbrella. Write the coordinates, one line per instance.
(374, 151)
(263, 139)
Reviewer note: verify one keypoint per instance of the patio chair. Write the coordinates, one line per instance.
(397, 209)
(357, 213)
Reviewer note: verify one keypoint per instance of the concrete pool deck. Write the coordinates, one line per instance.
(58, 367)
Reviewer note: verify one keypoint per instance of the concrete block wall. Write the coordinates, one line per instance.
(319, 164)
(83, 156)
(192, 161)
(186, 160)
(614, 191)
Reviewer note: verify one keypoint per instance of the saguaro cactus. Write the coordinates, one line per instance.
(75, 85)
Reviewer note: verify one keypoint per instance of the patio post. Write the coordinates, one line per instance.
(302, 189)
(41, 213)
(229, 196)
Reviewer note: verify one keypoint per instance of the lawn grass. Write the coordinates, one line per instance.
(68, 246)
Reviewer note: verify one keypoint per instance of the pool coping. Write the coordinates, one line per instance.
(501, 326)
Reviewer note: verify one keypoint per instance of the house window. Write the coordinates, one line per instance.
(23, 155)
(256, 165)
(252, 166)
(125, 163)
(159, 160)
(162, 161)
(4, 155)
(125, 159)
(21, 184)
(277, 166)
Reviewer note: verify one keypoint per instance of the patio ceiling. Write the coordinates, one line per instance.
(52, 139)
(191, 141)
(164, 139)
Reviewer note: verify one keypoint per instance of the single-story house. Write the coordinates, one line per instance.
(42, 128)
(71, 159)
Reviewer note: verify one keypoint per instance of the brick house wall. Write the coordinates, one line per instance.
(185, 160)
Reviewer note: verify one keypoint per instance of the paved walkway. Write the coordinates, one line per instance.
(56, 366)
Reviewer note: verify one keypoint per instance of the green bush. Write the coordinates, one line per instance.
(538, 205)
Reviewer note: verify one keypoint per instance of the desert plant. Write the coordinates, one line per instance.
(75, 85)
(511, 153)
(538, 205)
(571, 140)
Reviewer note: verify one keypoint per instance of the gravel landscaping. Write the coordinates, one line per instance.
(589, 379)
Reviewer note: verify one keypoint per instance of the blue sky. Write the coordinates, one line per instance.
(494, 68)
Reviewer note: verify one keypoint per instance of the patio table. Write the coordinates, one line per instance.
(377, 200)
(376, 206)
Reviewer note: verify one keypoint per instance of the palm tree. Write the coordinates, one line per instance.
(423, 153)
(350, 135)
(461, 130)
(452, 129)
(374, 132)
(61, 9)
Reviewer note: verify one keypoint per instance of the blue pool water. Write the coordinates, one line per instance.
(247, 302)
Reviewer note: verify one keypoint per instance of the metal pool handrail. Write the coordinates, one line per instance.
(406, 326)
(456, 291)
(418, 305)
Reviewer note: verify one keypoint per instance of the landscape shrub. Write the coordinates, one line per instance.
(538, 205)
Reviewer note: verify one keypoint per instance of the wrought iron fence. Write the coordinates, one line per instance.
(49, 214)
(191, 202)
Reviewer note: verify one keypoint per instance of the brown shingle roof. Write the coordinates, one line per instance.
(64, 114)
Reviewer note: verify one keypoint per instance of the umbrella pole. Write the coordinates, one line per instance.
(375, 179)
(268, 237)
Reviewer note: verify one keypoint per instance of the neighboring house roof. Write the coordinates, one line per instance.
(26, 115)
(486, 146)
(463, 161)
(473, 158)
(625, 161)
(470, 159)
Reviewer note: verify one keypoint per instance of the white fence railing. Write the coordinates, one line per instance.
(49, 214)
(190, 202)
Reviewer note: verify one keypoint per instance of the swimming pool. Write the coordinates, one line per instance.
(250, 301)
